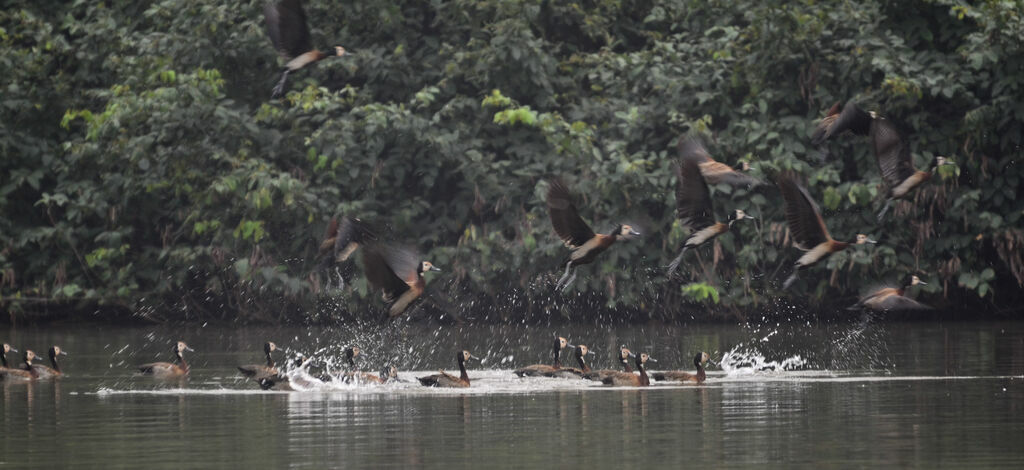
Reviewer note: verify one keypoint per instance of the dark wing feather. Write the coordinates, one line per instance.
(287, 28)
(379, 263)
(693, 200)
(802, 214)
(892, 152)
(351, 230)
(852, 118)
(566, 220)
(330, 236)
(714, 172)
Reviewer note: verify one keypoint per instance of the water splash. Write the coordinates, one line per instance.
(746, 360)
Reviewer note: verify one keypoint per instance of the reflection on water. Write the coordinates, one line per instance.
(821, 395)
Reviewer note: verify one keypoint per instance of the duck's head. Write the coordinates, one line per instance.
(269, 347)
(626, 232)
(643, 358)
(29, 356)
(464, 356)
(428, 266)
(582, 350)
(738, 214)
(8, 348)
(181, 347)
(624, 354)
(914, 280)
(863, 239)
(57, 351)
(351, 353)
(339, 51)
(701, 359)
(389, 372)
(562, 343)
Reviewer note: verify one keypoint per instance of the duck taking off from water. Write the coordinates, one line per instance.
(344, 236)
(629, 379)
(576, 234)
(889, 145)
(891, 298)
(45, 372)
(715, 172)
(444, 379)
(808, 228)
(599, 375)
(693, 203)
(167, 369)
(684, 376)
(541, 369)
(289, 32)
(398, 273)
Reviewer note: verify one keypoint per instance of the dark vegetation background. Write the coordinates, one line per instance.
(146, 172)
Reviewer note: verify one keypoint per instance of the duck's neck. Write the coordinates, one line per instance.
(181, 361)
(627, 366)
(701, 375)
(462, 368)
(583, 364)
(53, 360)
(3, 358)
(270, 360)
(557, 364)
(644, 380)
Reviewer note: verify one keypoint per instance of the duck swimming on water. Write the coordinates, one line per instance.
(260, 372)
(288, 31)
(599, 375)
(541, 369)
(445, 379)
(891, 298)
(45, 372)
(889, 145)
(693, 202)
(572, 372)
(628, 379)
(684, 376)
(25, 372)
(808, 228)
(167, 369)
(576, 234)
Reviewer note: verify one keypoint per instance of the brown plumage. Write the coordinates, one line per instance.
(892, 153)
(167, 369)
(541, 369)
(398, 273)
(694, 208)
(25, 372)
(715, 172)
(3, 355)
(387, 374)
(891, 298)
(572, 372)
(600, 375)
(261, 372)
(445, 379)
(628, 379)
(289, 32)
(684, 376)
(344, 236)
(576, 234)
(807, 227)
(44, 372)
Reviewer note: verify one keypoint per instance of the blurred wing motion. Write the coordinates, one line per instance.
(693, 199)
(714, 172)
(852, 118)
(287, 28)
(394, 270)
(565, 219)
(802, 214)
(892, 152)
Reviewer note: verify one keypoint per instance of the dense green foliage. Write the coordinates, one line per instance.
(146, 169)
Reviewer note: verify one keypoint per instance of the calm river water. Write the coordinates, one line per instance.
(780, 396)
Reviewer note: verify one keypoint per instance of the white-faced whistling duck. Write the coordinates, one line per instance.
(576, 234)
(808, 228)
(890, 147)
(398, 273)
(581, 352)
(3, 355)
(25, 372)
(343, 238)
(347, 372)
(258, 372)
(891, 298)
(167, 369)
(599, 375)
(282, 380)
(541, 369)
(716, 172)
(445, 379)
(628, 379)
(684, 376)
(693, 203)
(45, 372)
(287, 28)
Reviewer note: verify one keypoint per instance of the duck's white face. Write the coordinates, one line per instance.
(355, 351)
(644, 358)
(628, 231)
(57, 351)
(623, 354)
(29, 356)
(704, 358)
(428, 266)
(862, 239)
(273, 347)
(466, 355)
(582, 350)
(7, 348)
(745, 166)
(562, 342)
(914, 280)
(339, 51)
(182, 347)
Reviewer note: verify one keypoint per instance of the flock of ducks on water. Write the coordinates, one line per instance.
(268, 376)
(397, 272)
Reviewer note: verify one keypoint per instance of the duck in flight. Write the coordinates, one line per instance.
(398, 273)
(289, 32)
(891, 298)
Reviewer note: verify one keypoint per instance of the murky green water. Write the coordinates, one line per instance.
(819, 396)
